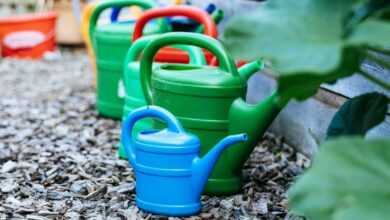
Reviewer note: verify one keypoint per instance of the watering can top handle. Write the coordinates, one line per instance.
(193, 13)
(151, 111)
(196, 54)
(145, 112)
(100, 7)
(214, 46)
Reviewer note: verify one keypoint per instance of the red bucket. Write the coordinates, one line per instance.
(29, 35)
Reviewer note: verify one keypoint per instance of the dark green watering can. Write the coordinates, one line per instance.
(208, 102)
(134, 97)
(111, 42)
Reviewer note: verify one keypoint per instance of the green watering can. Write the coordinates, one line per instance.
(134, 97)
(209, 103)
(111, 42)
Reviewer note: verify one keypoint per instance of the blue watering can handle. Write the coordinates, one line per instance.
(144, 112)
(210, 8)
(115, 14)
(154, 112)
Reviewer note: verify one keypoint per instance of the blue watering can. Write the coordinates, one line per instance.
(170, 175)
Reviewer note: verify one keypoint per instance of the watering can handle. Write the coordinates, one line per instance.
(195, 53)
(100, 7)
(116, 11)
(193, 13)
(145, 112)
(214, 46)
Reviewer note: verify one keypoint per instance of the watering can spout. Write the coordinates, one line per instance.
(249, 69)
(202, 167)
(254, 121)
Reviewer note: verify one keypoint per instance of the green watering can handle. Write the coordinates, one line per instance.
(100, 7)
(195, 53)
(226, 63)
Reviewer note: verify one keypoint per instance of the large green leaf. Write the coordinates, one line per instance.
(359, 114)
(301, 85)
(349, 180)
(305, 42)
(364, 10)
(374, 33)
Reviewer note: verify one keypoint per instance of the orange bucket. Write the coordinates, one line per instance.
(15, 26)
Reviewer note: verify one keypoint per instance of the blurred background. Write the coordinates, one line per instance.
(35, 29)
(69, 13)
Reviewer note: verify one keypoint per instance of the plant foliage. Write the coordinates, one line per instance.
(348, 180)
(309, 42)
(359, 114)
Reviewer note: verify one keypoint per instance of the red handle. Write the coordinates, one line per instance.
(193, 13)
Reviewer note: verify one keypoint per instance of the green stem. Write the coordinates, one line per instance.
(373, 79)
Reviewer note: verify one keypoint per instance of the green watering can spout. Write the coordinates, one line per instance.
(253, 119)
(249, 69)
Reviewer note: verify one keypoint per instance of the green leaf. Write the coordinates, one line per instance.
(349, 180)
(359, 114)
(302, 85)
(364, 10)
(385, 14)
(373, 33)
(304, 41)
(281, 30)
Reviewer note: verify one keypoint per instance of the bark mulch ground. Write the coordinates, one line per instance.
(58, 157)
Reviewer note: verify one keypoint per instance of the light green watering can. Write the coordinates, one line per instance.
(134, 97)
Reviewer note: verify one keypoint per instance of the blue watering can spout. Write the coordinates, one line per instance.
(202, 167)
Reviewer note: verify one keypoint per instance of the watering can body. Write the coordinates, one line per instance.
(134, 97)
(111, 42)
(178, 54)
(209, 103)
(170, 176)
(173, 55)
